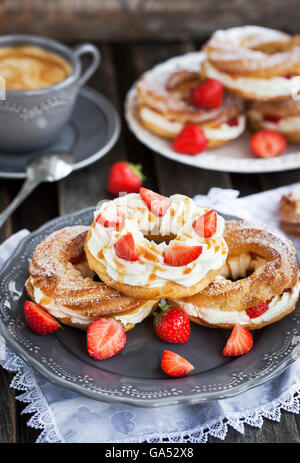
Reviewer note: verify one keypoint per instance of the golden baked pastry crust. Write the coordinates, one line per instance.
(289, 209)
(169, 98)
(252, 51)
(278, 272)
(269, 280)
(51, 272)
(288, 108)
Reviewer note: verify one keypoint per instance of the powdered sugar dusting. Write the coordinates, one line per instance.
(69, 286)
(238, 45)
(273, 262)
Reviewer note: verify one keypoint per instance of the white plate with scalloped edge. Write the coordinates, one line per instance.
(232, 157)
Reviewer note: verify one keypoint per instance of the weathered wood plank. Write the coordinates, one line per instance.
(277, 179)
(247, 184)
(8, 418)
(8, 431)
(116, 20)
(37, 209)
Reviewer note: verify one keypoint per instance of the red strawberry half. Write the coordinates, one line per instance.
(175, 365)
(155, 202)
(177, 256)
(239, 342)
(267, 144)
(206, 224)
(172, 324)
(208, 95)
(257, 310)
(191, 140)
(105, 338)
(40, 321)
(111, 216)
(125, 248)
(125, 177)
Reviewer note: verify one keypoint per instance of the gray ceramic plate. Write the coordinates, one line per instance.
(134, 376)
(92, 131)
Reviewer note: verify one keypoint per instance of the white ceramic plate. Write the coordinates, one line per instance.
(233, 157)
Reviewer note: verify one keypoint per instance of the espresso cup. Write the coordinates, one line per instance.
(32, 119)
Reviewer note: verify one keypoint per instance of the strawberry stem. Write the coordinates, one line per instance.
(137, 169)
(160, 311)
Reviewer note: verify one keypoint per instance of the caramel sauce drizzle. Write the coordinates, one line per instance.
(45, 301)
(100, 254)
(186, 271)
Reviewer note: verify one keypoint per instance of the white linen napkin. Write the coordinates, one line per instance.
(64, 416)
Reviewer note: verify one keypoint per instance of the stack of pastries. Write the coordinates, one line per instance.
(248, 73)
(143, 247)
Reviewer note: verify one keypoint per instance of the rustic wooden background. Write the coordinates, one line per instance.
(116, 20)
(133, 36)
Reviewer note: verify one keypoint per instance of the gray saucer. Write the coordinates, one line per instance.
(134, 376)
(92, 131)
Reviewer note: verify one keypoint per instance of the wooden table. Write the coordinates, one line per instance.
(121, 65)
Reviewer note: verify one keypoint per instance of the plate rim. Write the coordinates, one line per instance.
(187, 398)
(114, 130)
(137, 129)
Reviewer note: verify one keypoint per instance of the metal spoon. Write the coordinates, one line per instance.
(44, 168)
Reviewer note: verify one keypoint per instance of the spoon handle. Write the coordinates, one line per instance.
(28, 186)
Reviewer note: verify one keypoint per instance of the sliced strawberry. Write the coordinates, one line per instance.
(208, 95)
(257, 310)
(206, 224)
(125, 248)
(111, 216)
(78, 259)
(239, 342)
(272, 118)
(267, 143)
(175, 365)
(177, 256)
(233, 122)
(40, 321)
(105, 338)
(288, 76)
(155, 202)
(287, 290)
(191, 140)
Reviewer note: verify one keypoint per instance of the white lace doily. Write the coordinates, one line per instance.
(43, 417)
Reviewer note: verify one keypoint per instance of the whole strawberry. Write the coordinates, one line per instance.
(172, 324)
(125, 177)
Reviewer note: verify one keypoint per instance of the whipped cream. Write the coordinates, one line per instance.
(238, 266)
(150, 270)
(285, 124)
(278, 305)
(59, 311)
(258, 87)
(222, 132)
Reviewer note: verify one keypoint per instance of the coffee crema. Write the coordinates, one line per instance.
(27, 67)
